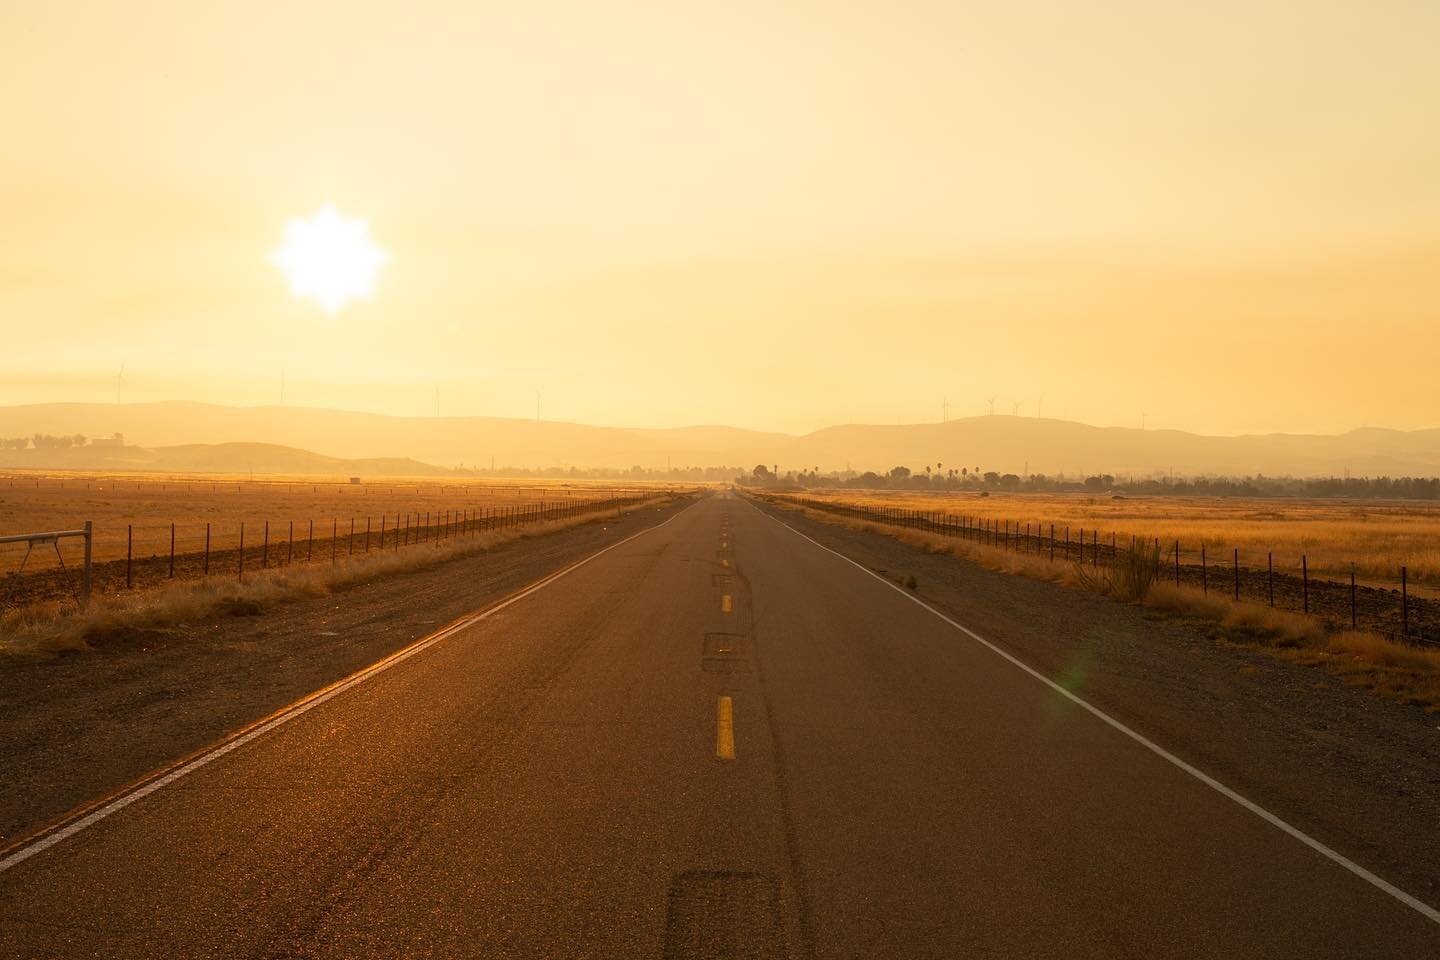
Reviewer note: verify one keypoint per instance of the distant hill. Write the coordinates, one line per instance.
(444, 441)
(1011, 444)
(239, 458)
(1000, 443)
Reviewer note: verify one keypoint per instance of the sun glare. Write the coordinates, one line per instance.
(329, 258)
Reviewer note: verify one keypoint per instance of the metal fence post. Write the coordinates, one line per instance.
(85, 576)
(1305, 581)
(1352, 597)
(1404, 605)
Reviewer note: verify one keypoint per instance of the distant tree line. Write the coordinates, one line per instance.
(974, 480)
(44, 441)
(671, 474)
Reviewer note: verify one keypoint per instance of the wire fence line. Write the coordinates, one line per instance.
(242, 548)
(1395, 613)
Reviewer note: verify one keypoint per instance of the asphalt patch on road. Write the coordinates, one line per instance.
(723, 915)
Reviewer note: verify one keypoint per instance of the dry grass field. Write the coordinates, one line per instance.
(146, 506)
(1376, 537)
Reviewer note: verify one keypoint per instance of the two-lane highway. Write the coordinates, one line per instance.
(716, 739)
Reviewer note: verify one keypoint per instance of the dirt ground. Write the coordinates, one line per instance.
(1356, 771)
(78, 726)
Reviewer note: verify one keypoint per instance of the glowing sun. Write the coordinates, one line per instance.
(329, 258)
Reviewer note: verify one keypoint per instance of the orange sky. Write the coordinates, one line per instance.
(1224, 216)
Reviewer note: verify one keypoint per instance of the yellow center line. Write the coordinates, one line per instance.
(724, 730)
(725, 605)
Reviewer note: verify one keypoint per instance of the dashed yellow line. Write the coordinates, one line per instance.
(724, 730)
(725, 604)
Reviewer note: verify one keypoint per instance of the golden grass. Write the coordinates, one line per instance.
(31, 503)
(1407, 674)
(1377, 537)
(51, 628)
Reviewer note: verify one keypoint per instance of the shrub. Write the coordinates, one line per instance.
(1128, 576)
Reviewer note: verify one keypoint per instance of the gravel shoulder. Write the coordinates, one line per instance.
(1359, 773)
(79, 726)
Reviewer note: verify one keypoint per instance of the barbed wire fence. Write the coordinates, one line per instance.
(1394, 613)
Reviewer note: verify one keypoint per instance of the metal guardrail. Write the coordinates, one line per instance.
(53, 538)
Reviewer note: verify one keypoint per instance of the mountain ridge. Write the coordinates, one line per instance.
(1006, 444)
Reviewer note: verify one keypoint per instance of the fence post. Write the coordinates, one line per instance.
(1095, 549)
(85, 575)
(1352, 596)
(1204, 573)
(265, 548)
(290, 545)
(1404, 606)
(206, 570)
(129, 551)
(1305, 581)
(334, 536)
(1270, 576)
(367, 534)
(1237, 574)
(1177, 563)
(172, 551)
(1052, 543)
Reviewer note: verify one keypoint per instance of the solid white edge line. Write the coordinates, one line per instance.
(1420, 907)
(49, 840)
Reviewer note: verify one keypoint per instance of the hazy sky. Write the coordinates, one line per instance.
(1226, 215)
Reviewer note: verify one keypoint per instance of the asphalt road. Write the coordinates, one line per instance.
(717, 739)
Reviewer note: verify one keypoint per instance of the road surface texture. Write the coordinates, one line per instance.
(716, 739)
